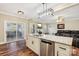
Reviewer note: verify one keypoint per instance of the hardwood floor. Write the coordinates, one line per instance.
(17, 48)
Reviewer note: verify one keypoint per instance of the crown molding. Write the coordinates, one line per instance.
(66, 7)
(11, 14)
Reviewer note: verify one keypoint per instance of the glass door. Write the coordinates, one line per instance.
(14, 31)
(20, 31)
(10, 32)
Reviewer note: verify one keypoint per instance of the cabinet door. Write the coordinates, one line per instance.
(36, 46)
(29, 42)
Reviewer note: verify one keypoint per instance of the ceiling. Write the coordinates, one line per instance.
(68, 10)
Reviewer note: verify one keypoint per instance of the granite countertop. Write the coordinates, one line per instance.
(60, 39)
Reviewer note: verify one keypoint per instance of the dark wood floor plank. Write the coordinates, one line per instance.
(17, 48)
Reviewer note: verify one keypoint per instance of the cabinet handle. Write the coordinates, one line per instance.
(57, 53)
(32, 42)
(62, 48)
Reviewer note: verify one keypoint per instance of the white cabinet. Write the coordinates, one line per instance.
(62, 50)
(29, 42)
(34, 44)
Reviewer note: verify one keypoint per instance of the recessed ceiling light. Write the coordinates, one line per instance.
(20, 12)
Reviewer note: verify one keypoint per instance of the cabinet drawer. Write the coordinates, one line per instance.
(62, 54)
(62, 49)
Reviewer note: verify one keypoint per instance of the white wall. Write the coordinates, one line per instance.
(69, 25)
(72, 24)
(52, 28)
(4, 18)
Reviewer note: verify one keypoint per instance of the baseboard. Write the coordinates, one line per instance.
(2, 42)
(9, 42)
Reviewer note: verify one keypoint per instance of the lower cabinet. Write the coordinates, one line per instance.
(34, 44)
(62, 50)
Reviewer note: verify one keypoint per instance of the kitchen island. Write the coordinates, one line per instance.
(62, 46)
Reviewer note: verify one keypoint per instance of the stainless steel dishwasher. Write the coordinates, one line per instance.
(46, 48)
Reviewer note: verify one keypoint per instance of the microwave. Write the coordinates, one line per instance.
(60, 26)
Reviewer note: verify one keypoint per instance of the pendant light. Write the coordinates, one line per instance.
(46, 11)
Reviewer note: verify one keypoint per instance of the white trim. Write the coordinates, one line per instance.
(4, 31)
(2, 42)
(10, 14)
(5, 22)
(66, 7)
(11, 41)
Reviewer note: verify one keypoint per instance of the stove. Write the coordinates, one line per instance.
(70, 33)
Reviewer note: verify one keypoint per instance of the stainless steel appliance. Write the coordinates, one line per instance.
(75, 42)
(46, 48)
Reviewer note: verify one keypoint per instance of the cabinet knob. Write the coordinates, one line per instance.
(32, 42)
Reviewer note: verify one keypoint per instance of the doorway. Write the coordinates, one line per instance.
(14, 31)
